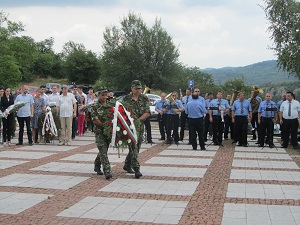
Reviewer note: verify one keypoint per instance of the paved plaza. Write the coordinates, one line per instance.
(224, 185)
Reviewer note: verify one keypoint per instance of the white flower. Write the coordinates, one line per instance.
(120, 142)
(131, 127)
(124, 132)
(129, 140)
(118, 128)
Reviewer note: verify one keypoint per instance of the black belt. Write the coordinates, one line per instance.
(240, 116)
(267, 117)
(291, 119)
(217, 115)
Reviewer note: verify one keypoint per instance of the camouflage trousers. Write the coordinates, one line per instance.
(132, 158)
(102, 157)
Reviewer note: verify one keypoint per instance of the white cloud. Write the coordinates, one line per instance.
(208, 33)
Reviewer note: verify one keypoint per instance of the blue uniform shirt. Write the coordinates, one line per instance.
(279, 104)
(170, 107)
(25, 110)
(200, 98)
(185, 101)
(207, 103)
(237, 108)
(195, 109)
(159, 105)
(216, 103)
(262, 109)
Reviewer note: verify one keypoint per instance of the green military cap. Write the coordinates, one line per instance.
(102, 89)
(136, 84)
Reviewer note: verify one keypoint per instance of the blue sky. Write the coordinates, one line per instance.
(208, 33)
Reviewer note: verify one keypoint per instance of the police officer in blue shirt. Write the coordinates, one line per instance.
(196, 111)
(183, 115)
(207, 124)
(172, 110)
(217, 110)
(241, 109)
(161, 116)
(283, 98)
(267, 112)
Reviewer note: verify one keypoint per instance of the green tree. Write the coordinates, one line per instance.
(284, 20)
(9, 72)
(82, 66)
(135, 51)
(236, 84)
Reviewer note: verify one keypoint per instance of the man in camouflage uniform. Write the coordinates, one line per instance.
(101, 141)
(138, 104)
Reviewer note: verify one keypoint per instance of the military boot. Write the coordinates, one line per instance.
(128, 169)
(98, 170)
(108, 176)
(137, 174)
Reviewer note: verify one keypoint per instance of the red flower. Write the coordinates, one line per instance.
(117, 139)
(111, 109)
(110, 123)
(111, 131)
(134, 120)
(128, 108)
(132, 113)
(109, 115)
(121, 109)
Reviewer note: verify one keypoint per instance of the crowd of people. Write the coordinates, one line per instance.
(224, 116)
(206, 117)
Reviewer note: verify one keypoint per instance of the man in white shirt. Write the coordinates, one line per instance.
(80, 92)
(289, 119)
(54, 97)
(67, 109)
(44, 96)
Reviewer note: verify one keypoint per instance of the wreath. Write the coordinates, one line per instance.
(48, 133)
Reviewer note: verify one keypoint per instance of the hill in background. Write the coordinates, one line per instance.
(261, 74)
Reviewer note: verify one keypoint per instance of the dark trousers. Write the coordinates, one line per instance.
(254, 123)
(161, 124)
(206, 126)
(196, 127)
(218, 129)
(228, 124)
(183, 119)
(21, 121)
(172, 122)
(266, 127)
(290, 127)
(241, 124)
(7, 127)
(148, 129)
(74, 127)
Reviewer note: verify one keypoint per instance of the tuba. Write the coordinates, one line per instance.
(254, 102)
(233, 98)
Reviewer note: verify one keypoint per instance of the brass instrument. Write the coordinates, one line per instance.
(146, 90)
(254, 102)
(233, 98)
(172, 102)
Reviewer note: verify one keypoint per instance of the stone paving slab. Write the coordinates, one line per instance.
(85, 138)
(91, 158)
(263, 191)
(261, 155)
(179, 161)
(81, 143)
(47, 148)
(14, 203)
(243, 214)
(24, 155)
(67, 167)
(259, 149)
(188, 153)
(122, 209)
(264, 164)
(146, 186)
(173, 171)
(4, 164)
(41, 181)
(265, 175)
(189, 147)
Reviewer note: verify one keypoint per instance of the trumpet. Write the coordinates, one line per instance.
(146, 90)
(173, 103)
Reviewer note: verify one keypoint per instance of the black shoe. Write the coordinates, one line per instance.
(225, 138)
(30, 143)
(108, 176)
(194, 148)
(98, 171)
(203, 148)
(283, 146)
(151, 142)
(295, 147)
(234, 141)
(161, 139)
(257, 143)
(216, 143)
(19, 144)
(181, 139)
(176, 143)
(137, 173)
(260, 145)
(245, 145)
(254, 138)
(128, 169)
(271, 145)
(168, 142)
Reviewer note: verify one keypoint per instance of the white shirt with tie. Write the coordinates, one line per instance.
(290, 112)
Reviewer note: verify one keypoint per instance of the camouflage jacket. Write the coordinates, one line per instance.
(97, 113)
(138, 107)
